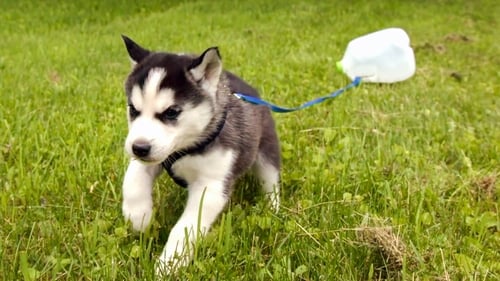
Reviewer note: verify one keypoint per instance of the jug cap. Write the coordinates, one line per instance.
(340, 68)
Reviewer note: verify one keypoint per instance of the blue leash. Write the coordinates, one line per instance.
(280, 109)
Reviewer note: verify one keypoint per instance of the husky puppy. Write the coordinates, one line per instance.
(183, 118)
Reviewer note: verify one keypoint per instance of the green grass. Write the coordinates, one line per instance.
(422, 156)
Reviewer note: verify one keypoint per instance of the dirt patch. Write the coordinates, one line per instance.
(437, 48)
(484, 187)
(54, 77)
(457, 38)
(388, 243)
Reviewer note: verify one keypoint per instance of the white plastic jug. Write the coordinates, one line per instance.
(384, 56)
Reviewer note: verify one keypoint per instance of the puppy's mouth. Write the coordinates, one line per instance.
(148, 160)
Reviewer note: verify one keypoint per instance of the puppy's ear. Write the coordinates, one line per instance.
(136, 52)
(206, 69)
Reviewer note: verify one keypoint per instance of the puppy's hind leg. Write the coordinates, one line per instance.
(269, 174)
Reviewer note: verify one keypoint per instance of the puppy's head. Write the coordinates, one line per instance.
(171, 100)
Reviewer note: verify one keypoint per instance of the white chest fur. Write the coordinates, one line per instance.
(214, 165)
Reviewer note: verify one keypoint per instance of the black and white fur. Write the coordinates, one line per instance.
(184, 104)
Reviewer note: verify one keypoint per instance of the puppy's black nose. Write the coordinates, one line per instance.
(141, 148)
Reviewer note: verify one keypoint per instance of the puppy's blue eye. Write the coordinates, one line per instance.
(170, 113)
(132, 111)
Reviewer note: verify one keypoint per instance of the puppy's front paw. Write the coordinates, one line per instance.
(138, 213)
(169, 263)
(177, 253)
(164, 268)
